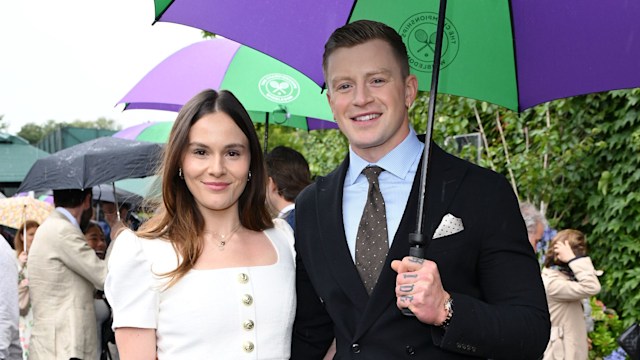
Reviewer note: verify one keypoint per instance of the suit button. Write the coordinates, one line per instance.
(248, 325)
(410, 350)
(247, 299)
(243, 278)
(247, 346)
(355, 348)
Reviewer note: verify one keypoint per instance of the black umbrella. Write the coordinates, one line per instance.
(99, 161)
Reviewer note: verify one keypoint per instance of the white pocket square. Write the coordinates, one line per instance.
(450, 225)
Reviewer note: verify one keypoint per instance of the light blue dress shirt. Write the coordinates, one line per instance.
(68, 215)
(400, 166)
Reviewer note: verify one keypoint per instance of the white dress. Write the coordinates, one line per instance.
(231, 313)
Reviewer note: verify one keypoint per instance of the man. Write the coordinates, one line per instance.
(63, 275)
(535, 222)
(477, 295)
(10, 348)
(288, 175)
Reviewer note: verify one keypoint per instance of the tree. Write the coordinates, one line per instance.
(3, 125)
(33, 132)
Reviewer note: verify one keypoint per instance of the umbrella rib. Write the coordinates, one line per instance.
(515, 57)
(162, 13)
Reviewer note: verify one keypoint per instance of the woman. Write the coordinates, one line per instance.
(97, 241)
(569, 277)
(22, 246)
(209, 276)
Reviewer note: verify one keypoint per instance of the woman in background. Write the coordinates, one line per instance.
(209, 276)
(22, 245)
(98, 242)
(569, 277)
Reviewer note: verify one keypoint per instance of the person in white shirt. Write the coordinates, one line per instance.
(210, 274)
(10, 348)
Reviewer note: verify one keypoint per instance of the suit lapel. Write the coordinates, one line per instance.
(329, 200)
(444, 179)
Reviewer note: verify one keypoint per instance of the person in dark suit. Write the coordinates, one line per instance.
(478, 293)
(289, 174)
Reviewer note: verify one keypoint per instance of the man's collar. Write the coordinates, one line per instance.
(397, 161)
(68, 215)
(286, 210)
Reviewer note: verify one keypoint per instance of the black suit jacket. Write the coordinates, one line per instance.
(500, 309)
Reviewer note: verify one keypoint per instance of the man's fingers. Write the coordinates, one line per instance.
(408, 264)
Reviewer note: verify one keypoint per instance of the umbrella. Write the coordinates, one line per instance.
(271, 91)
(15, 211)
(516, 53)
(104, 192)
(154, 131)
(99, 161)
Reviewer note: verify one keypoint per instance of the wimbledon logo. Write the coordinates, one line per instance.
(279, 88)
(419, 34)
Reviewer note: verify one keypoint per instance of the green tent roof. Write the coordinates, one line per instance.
(16, 158)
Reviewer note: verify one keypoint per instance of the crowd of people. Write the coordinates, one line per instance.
(247, 256)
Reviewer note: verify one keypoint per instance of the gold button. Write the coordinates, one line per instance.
(248, 325)
(248, 346)
(243, 278)
(247, 299)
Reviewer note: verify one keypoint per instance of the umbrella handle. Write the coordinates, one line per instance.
(416, 250)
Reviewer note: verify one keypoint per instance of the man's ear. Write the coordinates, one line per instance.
(411, 90)
(272, 185)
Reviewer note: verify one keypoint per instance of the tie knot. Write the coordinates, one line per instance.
(372, 173)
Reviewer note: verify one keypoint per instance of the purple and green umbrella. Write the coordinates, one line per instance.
(154, 131)
(516, 53)
(271, 91)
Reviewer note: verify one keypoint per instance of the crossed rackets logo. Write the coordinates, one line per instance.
(419, 35)
(279, 88)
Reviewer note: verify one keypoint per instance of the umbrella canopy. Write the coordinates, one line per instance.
(267, 88)
(104, 192)
(516, 53)
(99, 161)
(15, 211)
(155, 131)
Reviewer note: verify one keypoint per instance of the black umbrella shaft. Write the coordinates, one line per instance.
(418, 242)
(266, 133)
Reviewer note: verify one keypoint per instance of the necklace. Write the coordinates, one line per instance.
(223, 239)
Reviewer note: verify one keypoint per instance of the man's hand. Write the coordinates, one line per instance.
(419, 288)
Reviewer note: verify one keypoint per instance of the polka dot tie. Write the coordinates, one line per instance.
(372, 244)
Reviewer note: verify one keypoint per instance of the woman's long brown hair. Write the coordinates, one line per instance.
(178, 218)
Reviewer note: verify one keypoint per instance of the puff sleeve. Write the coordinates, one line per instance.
(131, 287)
(287, 232)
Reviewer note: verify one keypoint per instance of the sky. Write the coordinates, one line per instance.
(70, 60)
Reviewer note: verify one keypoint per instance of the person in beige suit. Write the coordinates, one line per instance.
(63, 274)
(569, 277)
